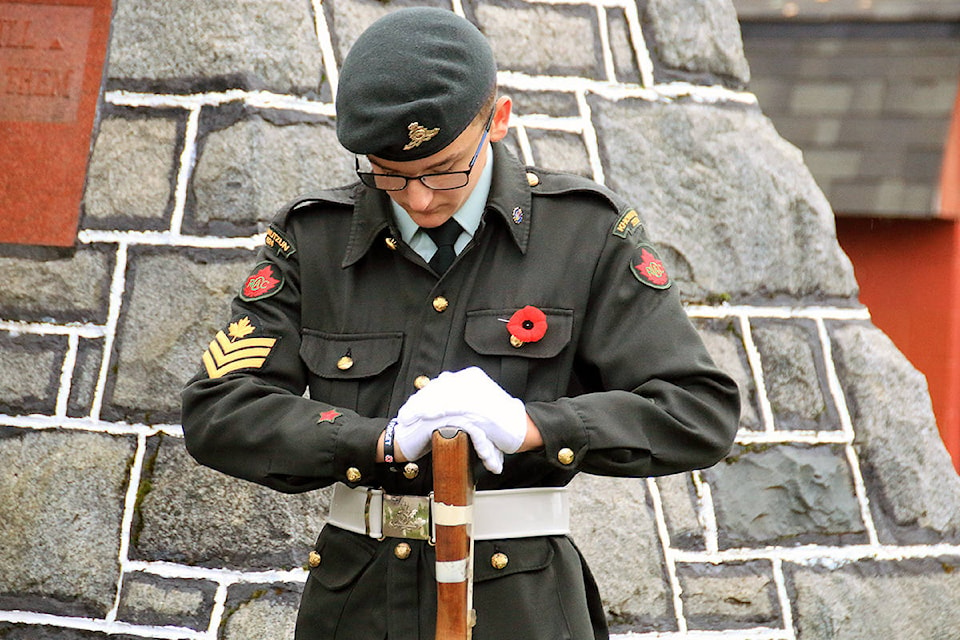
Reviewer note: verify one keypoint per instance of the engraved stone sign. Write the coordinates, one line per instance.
(51, 63)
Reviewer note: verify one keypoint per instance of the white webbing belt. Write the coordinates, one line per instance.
(507, 513)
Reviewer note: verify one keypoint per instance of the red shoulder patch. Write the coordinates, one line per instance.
(265, 281)
(647, 267)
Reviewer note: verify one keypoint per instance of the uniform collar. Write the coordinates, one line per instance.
(509, 197)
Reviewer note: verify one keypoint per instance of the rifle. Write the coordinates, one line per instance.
(453, 516)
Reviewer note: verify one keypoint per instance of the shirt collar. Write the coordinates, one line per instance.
(509, 196)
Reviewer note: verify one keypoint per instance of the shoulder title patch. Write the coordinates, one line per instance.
(236, 349)
(279, 242)
(265, 281)
(627, 223)
(647, 267)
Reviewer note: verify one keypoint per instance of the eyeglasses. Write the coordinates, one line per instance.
(443, 181)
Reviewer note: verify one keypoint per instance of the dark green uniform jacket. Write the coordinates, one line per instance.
(338, 305)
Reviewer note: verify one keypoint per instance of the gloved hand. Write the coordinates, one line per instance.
(470, 400)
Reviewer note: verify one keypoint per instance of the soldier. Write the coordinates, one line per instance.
(451, 285)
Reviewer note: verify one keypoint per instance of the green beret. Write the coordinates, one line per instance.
(412, 82)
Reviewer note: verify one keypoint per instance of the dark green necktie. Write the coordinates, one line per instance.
(444, 236)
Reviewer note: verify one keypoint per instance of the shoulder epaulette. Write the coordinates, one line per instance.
(276, 237)
(557, 182)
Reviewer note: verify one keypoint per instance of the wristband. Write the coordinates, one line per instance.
(388, 455)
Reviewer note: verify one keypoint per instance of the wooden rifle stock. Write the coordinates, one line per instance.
(453, 507)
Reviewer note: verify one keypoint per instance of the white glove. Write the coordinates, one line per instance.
(470, 394)
(469, 399)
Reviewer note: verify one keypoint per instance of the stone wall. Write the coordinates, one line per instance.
(836, 516)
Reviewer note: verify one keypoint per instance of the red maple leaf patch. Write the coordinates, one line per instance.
(261, 283)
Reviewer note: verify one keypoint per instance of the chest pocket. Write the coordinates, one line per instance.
(352, 370)
(533, 370)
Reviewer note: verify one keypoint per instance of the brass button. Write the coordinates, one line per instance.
(411, 470)
(344, 363)
(402, 551)
(421, 382)
(353, 474)
(440, 304)
(565, 456)
(499, 561)
(532, 179)
(313, 559)
(391, 243)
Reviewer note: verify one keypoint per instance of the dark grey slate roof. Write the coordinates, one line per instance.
(898, 10)
(869, 104)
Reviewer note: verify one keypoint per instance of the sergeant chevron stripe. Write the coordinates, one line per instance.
(224, 355)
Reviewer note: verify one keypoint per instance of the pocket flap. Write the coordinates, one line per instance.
(487, 333)
(349, 356)
(521, 555)
(343, 557)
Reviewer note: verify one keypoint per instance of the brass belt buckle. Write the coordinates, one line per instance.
(406, 517)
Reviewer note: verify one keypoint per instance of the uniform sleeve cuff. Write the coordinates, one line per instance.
(564, 434)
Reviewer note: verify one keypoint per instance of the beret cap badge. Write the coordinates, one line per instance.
(419, 134)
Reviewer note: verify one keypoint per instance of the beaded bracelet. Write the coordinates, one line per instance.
(388, 454)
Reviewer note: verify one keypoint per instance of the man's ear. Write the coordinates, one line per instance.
(501, 119)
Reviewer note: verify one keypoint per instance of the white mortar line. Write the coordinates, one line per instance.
(219, 607)
(590, 138)
(103, 626)
(608, 67)
(745, 436)
(827, 313)
(756, 366)
(326, 46)
(644, 62)
(66, 375)
(668, 557)
(786, 610)
(229, 576)
(113, 317)
(187, 157)
(753, 633)
(840, 401)
(16, 328)
(41, 422)
(814, 555)
(262, 99)
(524, 141)
(706, 513)
(564, 124)
(457, 7)
(167, 239)
(126, 524)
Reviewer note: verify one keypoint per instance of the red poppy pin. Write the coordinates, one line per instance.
(527, 325)
(648, 268)
(265, 281)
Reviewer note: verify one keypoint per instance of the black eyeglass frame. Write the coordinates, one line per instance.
(369, 178)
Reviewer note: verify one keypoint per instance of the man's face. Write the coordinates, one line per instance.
(430, 208)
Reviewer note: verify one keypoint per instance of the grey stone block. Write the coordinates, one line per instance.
(680, 507)
(86, 374)
(724, 340)
(60, 518)
(794, 374)
(182, 45)
(248, 169)
(159, 342)
(698, 37)
(543, 39)
(194, 515)
(347, 19)
(69, 288)
(152, 600)
(915, 492)
(39, 632)
(701, 177)
(732, 595)
(31, 373)
(130, 182)
(614, 527)
(785, 495)
(552, 103)
(560, 151)
(869, 599)
(260, 611)
(923, 96)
